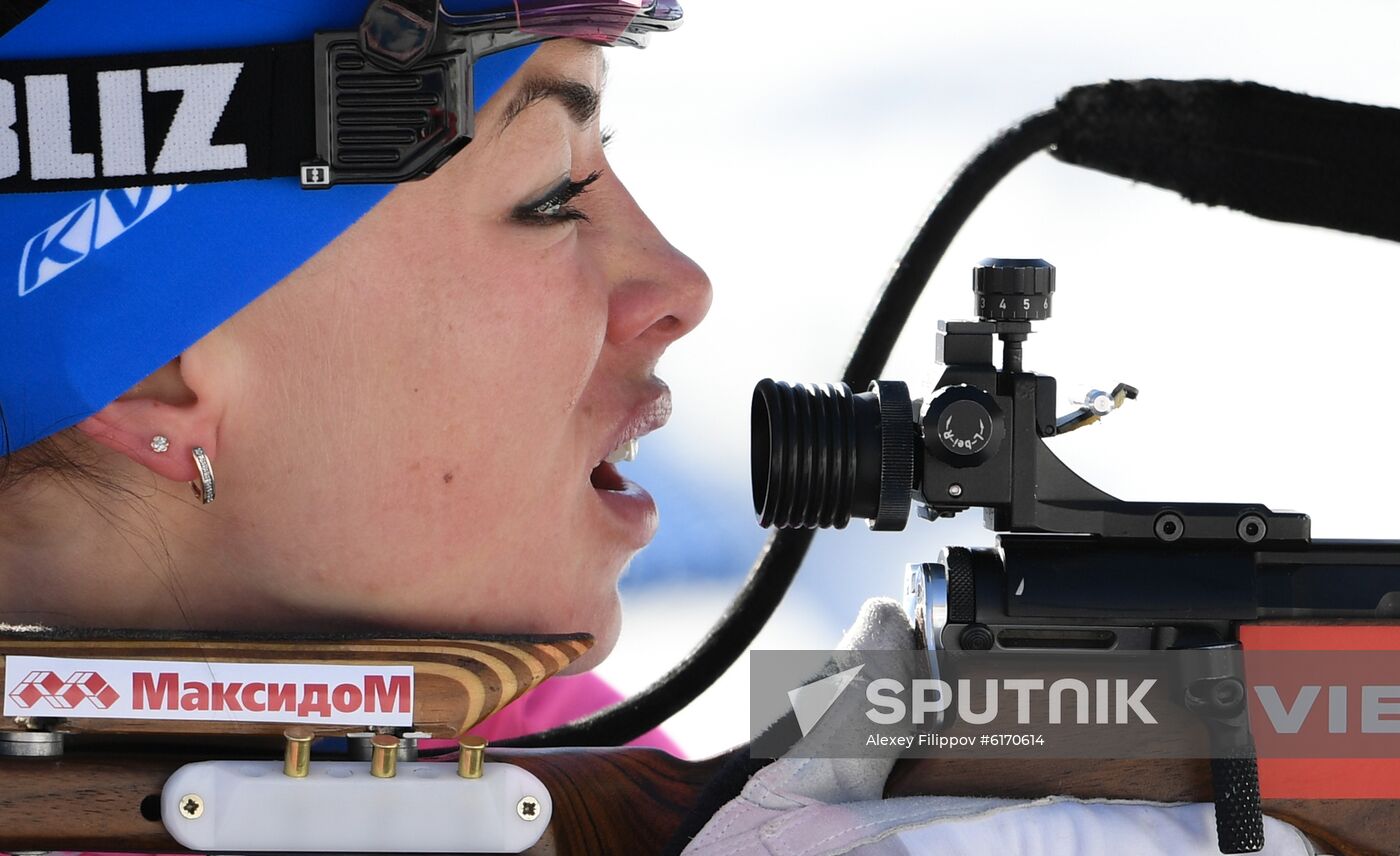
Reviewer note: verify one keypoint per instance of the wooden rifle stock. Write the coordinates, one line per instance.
(103, 792)
(631, 800)
(612, 800)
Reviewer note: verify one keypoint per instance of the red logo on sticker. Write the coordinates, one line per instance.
(64, 694)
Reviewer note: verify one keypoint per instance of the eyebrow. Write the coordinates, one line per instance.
(579, 98)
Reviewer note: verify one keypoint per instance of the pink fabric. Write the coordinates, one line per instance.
(555, 702)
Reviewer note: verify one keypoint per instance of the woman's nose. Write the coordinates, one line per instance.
(658, 294)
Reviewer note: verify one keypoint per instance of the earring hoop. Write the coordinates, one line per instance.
(204, 488)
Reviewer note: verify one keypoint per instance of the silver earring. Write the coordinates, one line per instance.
(160, 443)
(204, 488)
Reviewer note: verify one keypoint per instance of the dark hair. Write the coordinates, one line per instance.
(68, 458)
(77, 465)
(58, 454)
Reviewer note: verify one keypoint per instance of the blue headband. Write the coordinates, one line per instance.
(98, 290)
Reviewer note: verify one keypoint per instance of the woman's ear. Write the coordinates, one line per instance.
(179, 402)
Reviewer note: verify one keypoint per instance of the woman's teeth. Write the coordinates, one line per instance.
(627, 451)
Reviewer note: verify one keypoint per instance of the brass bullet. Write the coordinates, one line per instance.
(383, 756)
(471, 755)
(296, 759)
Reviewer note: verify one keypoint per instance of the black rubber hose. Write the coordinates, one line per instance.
(777, 564)
(1271, 153)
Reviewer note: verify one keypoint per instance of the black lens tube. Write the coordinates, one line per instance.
(821, 455)
(804, 454)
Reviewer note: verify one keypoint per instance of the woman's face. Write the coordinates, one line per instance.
(418, 412)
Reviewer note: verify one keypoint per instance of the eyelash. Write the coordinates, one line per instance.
(555, 208)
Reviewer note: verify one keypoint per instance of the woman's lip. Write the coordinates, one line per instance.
(647, 415)
(634, 508)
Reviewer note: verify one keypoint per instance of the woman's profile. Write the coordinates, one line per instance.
(403, 428)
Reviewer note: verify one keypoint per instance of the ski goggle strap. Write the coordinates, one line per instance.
(387, 103)
(603, 22)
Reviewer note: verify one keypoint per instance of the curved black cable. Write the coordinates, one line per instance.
(962, 196)
(780, 558)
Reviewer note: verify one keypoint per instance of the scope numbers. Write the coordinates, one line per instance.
(1015, 308)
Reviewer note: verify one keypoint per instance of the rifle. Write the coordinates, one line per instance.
(1075, 570)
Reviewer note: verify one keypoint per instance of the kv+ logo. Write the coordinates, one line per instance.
(91, 226)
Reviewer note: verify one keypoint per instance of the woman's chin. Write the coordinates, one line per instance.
(604, 640)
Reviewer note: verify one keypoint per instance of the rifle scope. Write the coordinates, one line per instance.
(823, 454)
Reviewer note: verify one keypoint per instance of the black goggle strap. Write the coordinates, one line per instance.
(13, 12)
(322, 111)
(144, 119)
(1271, 153)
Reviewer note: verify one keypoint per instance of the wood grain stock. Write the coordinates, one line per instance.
(627, 800)
(459, 681)
(624, 800)
(631, 800)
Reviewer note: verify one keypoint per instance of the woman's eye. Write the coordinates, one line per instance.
(554, 207)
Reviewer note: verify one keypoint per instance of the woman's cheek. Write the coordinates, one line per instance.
(557, 322)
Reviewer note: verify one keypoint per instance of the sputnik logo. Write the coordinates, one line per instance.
(64, 694)
(810, 702)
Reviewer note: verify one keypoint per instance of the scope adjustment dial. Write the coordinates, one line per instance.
(1013, 289)
(963, 426)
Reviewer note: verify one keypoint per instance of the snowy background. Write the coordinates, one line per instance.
(792, 149)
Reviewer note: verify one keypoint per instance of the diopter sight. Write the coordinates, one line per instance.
(823, 454)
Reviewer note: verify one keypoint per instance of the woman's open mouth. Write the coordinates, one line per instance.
(627, 503)
(606, 477)
(625, 499)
